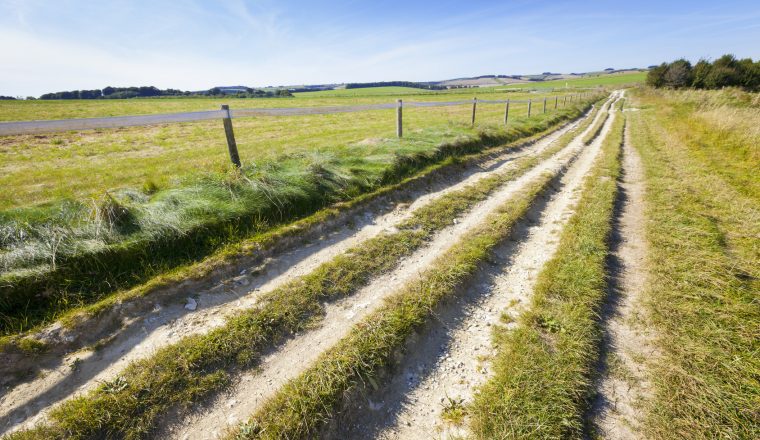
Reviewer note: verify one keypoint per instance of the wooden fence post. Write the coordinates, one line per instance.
(506, 113)
(555, 102)
(231, 145)
(530, 102)
(399, 119)
(474, 106)
(544, 105)
(564, 101)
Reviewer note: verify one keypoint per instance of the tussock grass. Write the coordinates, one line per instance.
(303, 405)
(196, 366)
(704, 265)
(54, 259)
(543, 368)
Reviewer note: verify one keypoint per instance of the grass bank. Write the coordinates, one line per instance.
(700, 154)
(197, 366)
(303, 405)
(57, 259)
(543, 368)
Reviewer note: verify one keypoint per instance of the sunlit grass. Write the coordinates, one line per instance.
(702, 203)
(200, 365)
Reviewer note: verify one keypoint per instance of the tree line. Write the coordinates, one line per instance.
(150, 91)
(726, 71)
(411, 84)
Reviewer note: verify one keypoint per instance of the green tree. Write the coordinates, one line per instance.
(656, 75)
(700, 72)
(724, 73)
(678, 74)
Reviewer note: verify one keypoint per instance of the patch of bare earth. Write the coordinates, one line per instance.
(169, 319)
(446, 363)
(616, 412)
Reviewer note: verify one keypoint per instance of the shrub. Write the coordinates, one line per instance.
(726, 71)
(678, 74)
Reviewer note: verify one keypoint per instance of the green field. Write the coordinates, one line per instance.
(66, 109)
(114, 193)
(613, 79)
(368, 91)
(92, 162)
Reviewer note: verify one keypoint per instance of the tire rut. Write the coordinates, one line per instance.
(449, 359)
(616, 411)
(250, 390)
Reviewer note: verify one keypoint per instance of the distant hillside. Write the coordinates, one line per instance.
(499, 80)
(153, 92)
(286, 91)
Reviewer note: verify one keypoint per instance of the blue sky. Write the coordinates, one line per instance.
(196, 44)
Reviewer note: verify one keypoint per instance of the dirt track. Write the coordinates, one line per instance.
(252, 389)
(451, 358)
(66, 377)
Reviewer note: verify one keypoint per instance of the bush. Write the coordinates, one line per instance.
(726, 71)
(656, 75)
(678, 74)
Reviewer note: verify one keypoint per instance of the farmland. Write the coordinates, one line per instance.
(588, 272)
(615, 79)
(33, 164)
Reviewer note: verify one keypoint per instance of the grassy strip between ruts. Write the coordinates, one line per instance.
(303, 405)
(543, 368)
(591, 135)
(234, 251)
(73, 272)
(199, 365)
(704, 270)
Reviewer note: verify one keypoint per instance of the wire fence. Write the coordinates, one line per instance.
(226, 115)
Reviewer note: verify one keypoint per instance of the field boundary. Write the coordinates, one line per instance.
(60, 125)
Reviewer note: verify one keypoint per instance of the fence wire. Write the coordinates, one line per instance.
(59, 125)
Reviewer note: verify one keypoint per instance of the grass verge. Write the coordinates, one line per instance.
(303, 405)
(543, 368)
(704, 266)
(197, 366)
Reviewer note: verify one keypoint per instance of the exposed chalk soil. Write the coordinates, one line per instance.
(252, 389)
(450, 359)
